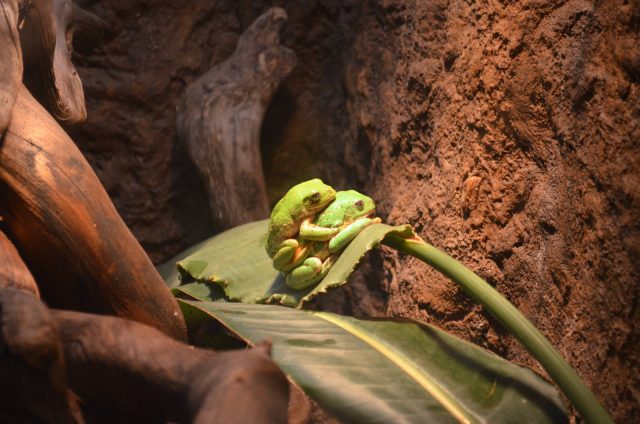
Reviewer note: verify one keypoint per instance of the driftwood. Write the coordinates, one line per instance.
(221, 115)
(13, 271)
(57, 212)
(32, 368)
(45, 36)
(125, 371)
(58, 219)
(147, 375)
(68, 231)
(31, 360)
(10, 60)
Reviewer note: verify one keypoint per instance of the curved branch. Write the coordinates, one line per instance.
(11, 60)
(221, 114)
(67, 230)
(46, 36)
(32, 368)
(123, 366)
(13, 272)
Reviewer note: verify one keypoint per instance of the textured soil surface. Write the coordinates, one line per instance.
(505, 132)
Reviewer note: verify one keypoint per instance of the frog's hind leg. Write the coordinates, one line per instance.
(304, 275)
(310, 272)
(290, 255)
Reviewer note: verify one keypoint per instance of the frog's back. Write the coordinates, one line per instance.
(282, 225)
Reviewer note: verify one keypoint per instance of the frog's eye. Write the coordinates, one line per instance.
(315, 197)
(360, 205)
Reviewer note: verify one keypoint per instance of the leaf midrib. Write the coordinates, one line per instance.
(400, 360)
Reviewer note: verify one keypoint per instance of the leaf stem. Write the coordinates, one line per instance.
(513, 320)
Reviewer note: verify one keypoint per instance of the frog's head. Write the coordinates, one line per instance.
(314, 195)
(348, 206)
(355, 204)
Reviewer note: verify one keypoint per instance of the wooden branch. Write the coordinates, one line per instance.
(48, 71)
(32, 368)
(124, 366)
(13, 271)
(85, 258)
(67, 230)
(10, 60)
(299, 406)
(220, 117)
(122, 369)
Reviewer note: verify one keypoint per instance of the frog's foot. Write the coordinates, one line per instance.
(290, 255)
(310, 272)
(313, 232)
(350, 232)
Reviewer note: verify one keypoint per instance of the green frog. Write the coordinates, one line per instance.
(301, 204)
(330, 232)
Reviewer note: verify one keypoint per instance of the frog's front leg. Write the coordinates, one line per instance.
(313, 232)
(350, 232)
(310, 272)
(290, 254)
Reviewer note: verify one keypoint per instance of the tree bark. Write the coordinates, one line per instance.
(220, 118)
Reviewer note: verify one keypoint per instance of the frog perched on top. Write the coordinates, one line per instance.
(330, 232)
(301, 204)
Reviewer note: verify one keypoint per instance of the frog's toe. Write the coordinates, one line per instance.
(299, 255)
(285, 254)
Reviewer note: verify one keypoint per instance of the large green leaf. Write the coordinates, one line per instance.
(169, 270)
(237, 261)
(388, 371)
